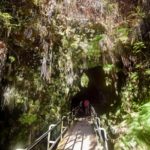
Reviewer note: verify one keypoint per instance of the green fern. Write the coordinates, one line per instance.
(138, 133)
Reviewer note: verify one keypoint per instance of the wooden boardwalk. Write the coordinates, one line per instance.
(80, 136)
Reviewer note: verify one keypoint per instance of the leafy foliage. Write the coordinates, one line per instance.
(28, 119)
(138, 46)
(5, 18)
(137, 131)
(108, 68)
(84, 80)
(94, 52)
(122, 33)
(48, 50)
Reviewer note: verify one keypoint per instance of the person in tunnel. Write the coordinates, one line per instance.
(81, 104)
(81, 108)
(87, 107)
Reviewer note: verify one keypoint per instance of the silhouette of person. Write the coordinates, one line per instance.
(81, 109)
(86, 106)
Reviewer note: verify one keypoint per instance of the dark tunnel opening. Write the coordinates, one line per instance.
(99, 95)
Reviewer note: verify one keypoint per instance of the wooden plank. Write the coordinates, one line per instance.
(80, 136)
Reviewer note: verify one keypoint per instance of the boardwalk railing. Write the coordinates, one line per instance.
(64, 123)
(101, 132)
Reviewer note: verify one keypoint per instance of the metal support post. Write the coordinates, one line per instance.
(49, 142)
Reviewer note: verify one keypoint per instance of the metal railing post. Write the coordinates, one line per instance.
(98, 121)
(49, 142)
(104, 136)
(62, 126)
(68, 120)
(100, 131)
(71, 116)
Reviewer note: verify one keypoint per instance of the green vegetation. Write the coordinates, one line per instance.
(137, 131)
(122, 33)
(108, 68)
(138, 46)
(84, 80)
(52, 44)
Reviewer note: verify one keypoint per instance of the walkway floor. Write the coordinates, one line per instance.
(80, 136)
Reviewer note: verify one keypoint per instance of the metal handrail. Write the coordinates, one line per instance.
(51, 144)
(42, 137)
(101, 132)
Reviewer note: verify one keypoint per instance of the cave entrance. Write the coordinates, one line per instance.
(99, 95)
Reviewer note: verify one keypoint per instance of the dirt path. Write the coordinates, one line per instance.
(80, 137)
